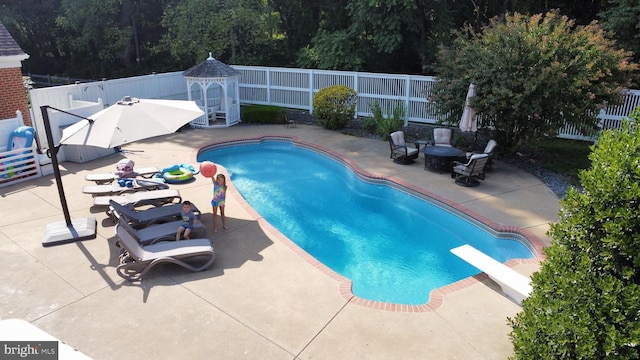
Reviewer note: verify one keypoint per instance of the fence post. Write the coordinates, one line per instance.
(311, 92)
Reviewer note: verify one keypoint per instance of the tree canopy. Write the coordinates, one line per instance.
(117, 38)
(532, 75)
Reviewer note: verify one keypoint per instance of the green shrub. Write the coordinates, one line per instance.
(584, 303)
(335, 106)
(263, 114)
(382, 124)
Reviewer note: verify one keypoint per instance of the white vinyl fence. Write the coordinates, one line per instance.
(295, 88)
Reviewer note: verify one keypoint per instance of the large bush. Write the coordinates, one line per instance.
(586, 297)
(532, 75)
(335, 106)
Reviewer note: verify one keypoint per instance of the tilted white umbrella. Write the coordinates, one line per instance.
(126, 121)
(129, 120)
(468, 121)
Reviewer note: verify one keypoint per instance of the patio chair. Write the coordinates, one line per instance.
(124, 185)
(154, 215)
(136, 260)
(154, 197)
(469, 173)
(489, 149)
(400, 152)
(442, 137)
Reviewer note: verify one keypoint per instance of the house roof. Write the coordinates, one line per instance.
(8, 46)
(211, 68)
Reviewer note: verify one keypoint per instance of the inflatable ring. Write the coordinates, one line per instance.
(177, 174)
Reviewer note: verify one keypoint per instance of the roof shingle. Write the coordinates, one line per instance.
(8, 46)
(211, 68)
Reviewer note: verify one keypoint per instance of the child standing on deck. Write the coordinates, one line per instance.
(219, 196)
(188, 220)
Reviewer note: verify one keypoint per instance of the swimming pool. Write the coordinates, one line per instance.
(392, 244)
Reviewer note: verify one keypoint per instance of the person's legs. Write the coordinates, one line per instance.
(215, 214)
(179, 233)
(223, 217)
(187, 234)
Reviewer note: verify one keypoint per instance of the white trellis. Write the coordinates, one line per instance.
(214, 86)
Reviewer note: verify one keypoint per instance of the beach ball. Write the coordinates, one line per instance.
(208, 169)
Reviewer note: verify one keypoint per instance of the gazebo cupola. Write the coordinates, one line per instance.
(213, 85)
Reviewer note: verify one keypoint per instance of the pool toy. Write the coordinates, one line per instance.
(208, 169)
(178, 173)
(20, 138)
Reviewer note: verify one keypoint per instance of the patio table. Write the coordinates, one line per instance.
(441, 157)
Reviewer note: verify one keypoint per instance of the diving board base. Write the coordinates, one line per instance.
(59, 233)
(514, 285)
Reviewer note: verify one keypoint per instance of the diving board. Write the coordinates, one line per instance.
(514, 285)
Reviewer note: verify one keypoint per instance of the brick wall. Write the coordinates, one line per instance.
(12, 95)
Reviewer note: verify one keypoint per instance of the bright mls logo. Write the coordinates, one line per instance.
(40, 350)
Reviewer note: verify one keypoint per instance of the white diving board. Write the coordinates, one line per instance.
(513, 284)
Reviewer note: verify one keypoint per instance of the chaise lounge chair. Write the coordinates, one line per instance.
(165, 232)
(101, 179)
(124, 169)
(124, 186)
(136, 260)
(154, 197)
(154, 215)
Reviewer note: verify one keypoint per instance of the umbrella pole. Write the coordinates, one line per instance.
(70, 230)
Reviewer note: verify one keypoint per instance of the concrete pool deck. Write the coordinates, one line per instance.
(260, 299)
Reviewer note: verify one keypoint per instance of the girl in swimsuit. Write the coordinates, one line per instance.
(219, 195)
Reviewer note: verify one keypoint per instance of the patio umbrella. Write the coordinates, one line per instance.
(129, 120)
(468, 121)
(126, 121)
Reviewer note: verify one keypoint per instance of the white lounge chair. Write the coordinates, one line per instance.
(124, 185)
(99, 179)
(136, 260)
(154, 197)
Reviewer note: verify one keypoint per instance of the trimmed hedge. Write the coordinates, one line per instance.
(263, 114)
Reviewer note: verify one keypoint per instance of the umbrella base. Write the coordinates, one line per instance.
(59, 233)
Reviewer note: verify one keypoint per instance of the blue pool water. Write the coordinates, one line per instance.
(392, 245)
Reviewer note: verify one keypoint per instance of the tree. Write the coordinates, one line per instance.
(32, 24)
(234, 31)
(623, 18)
(532, 75)
(584, 303)
(395, 36)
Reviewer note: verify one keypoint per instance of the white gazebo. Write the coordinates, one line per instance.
(213, 85)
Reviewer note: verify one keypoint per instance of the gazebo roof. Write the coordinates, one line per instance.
(211, 68)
